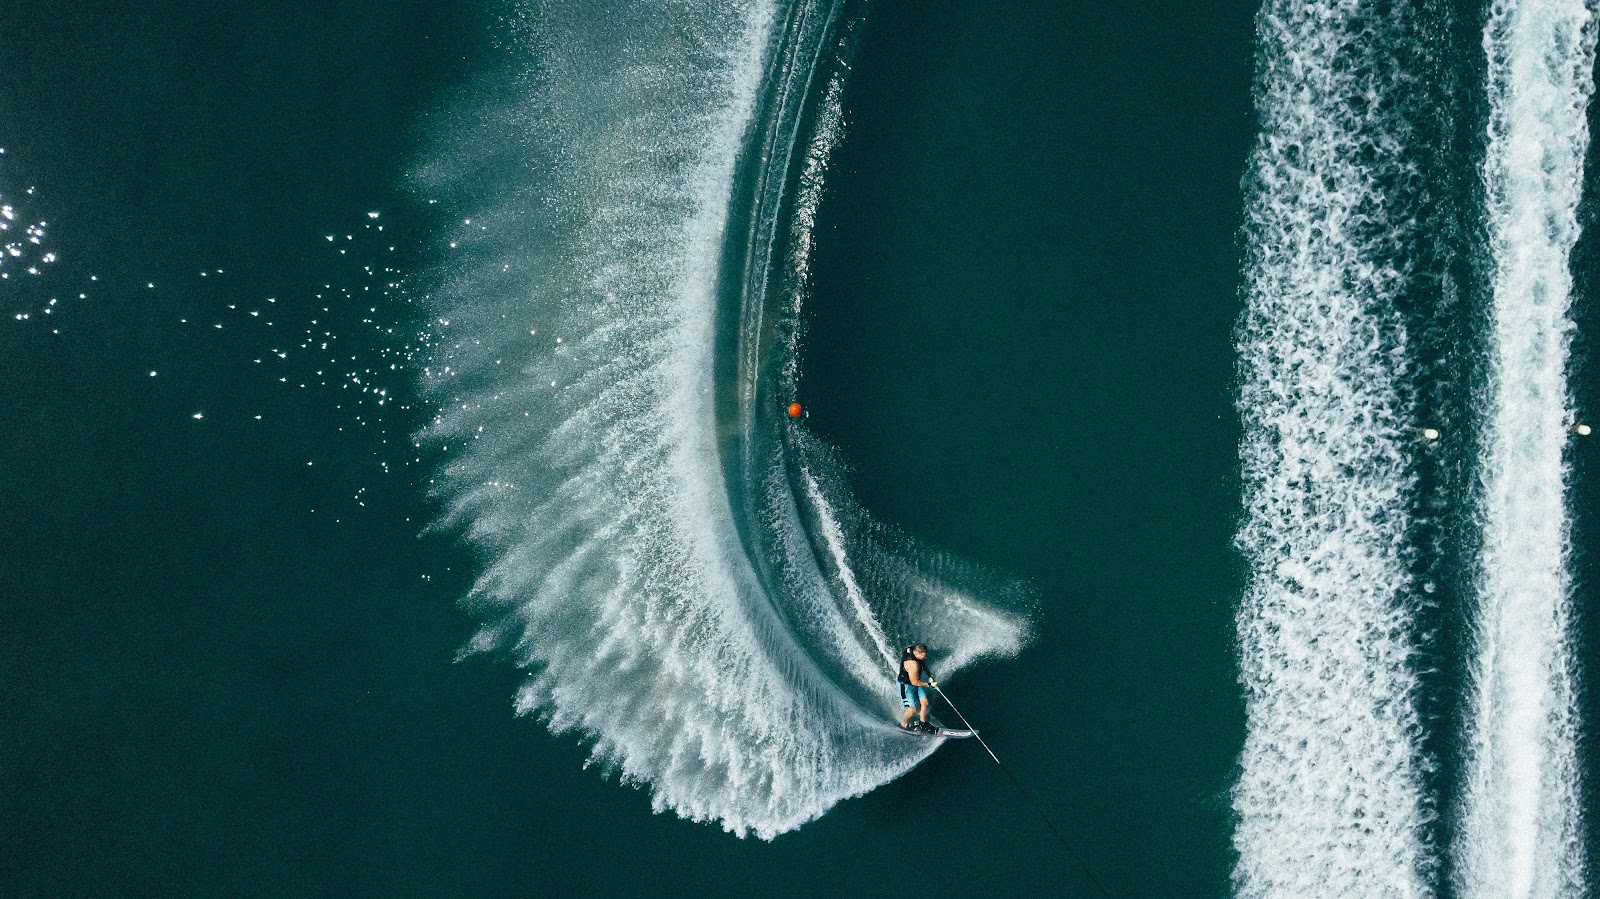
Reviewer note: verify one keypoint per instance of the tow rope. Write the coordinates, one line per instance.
(1071, 853)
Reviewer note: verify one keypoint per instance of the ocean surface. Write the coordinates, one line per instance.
(398, 495)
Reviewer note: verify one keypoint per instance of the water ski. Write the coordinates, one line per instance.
(933, 730)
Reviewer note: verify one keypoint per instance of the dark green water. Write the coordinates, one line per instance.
(1019, 337)
(1030, 230)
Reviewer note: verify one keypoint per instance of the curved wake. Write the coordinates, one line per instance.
(680, 571)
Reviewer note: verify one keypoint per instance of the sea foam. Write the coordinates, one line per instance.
(1330, 798)
(1520, 834)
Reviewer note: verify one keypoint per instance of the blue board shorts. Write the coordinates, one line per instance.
(912, 696)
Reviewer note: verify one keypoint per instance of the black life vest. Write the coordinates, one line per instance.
(922, 664)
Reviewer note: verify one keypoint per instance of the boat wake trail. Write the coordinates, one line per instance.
(1330, 798)
(1520, 832)
(680, 570)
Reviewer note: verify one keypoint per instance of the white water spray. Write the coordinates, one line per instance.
(1329, 798)
(1520, 832)
(689, 627)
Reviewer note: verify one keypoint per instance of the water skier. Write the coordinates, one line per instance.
(916, 679)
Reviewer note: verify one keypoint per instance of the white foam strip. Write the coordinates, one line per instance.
(1520, 834)
(1329, 800)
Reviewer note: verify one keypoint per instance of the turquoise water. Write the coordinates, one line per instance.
(398, 460)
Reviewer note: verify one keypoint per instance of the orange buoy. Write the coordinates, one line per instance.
(795, 410)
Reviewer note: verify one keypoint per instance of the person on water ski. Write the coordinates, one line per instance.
(916, 679)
